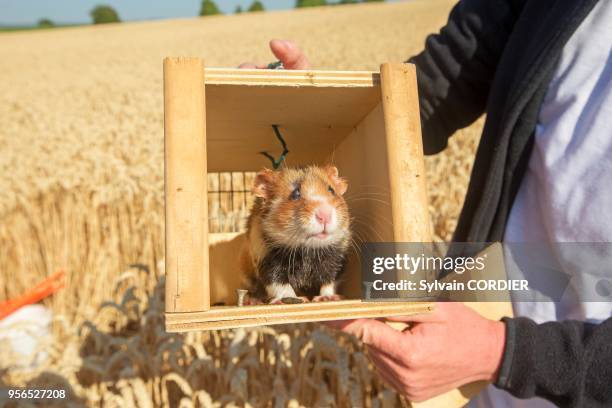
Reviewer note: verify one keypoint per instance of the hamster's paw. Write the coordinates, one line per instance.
(326, 298)
(289, 300)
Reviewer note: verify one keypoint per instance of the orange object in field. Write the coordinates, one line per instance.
(45, 288)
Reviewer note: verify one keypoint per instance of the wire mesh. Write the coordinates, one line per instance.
(229, 200)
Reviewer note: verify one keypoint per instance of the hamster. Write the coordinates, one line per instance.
(298, 235)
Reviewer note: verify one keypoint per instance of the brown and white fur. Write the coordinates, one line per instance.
(298, 234)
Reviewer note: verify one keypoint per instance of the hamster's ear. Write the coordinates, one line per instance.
(341, 184)
(262, 186)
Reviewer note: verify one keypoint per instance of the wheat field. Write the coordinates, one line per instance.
(81, 188)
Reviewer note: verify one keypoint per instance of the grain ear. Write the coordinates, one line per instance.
(262, 186)
(340, 184)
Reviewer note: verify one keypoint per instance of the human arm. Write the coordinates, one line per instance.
(568, 363)
(457, 67)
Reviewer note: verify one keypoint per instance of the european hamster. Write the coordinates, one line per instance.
(298, 234)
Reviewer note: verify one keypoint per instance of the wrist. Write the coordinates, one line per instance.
(495, 352)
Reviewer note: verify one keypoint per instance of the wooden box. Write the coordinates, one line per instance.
(365, 123)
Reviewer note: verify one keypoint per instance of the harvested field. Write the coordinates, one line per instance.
(81, 188)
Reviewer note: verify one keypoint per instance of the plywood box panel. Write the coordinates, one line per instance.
(325, 117)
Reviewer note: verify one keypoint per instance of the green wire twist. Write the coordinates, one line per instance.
(276, 163)
(276, 65)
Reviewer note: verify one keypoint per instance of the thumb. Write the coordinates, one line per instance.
(289, 54)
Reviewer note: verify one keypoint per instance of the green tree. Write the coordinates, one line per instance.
(373, 1)
(209, 8)
(348, 2)
(104, 14)
(256, 6)
(310, 3)
(238, 9)
(45, 23)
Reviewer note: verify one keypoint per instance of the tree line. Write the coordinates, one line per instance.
(103, 14)
(210, 8)
(100, 14)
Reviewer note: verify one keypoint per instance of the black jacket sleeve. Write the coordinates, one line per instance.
(457, 66)
(568, 363)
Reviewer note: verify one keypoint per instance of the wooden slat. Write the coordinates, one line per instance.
(406, 165)
(411, 221)
(247, 316)
(187, 283)
(226, 312)
(264, 77)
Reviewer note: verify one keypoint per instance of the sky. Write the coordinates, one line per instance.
(27, 12)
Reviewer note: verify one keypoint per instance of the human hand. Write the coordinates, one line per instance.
(287, 52)
(441, 351)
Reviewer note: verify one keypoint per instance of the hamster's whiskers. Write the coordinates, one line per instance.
(351, 200)
(372, 229)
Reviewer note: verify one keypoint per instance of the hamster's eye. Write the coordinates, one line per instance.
(331, 190)
(295, 194)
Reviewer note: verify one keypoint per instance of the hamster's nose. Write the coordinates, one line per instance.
(324, 214)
